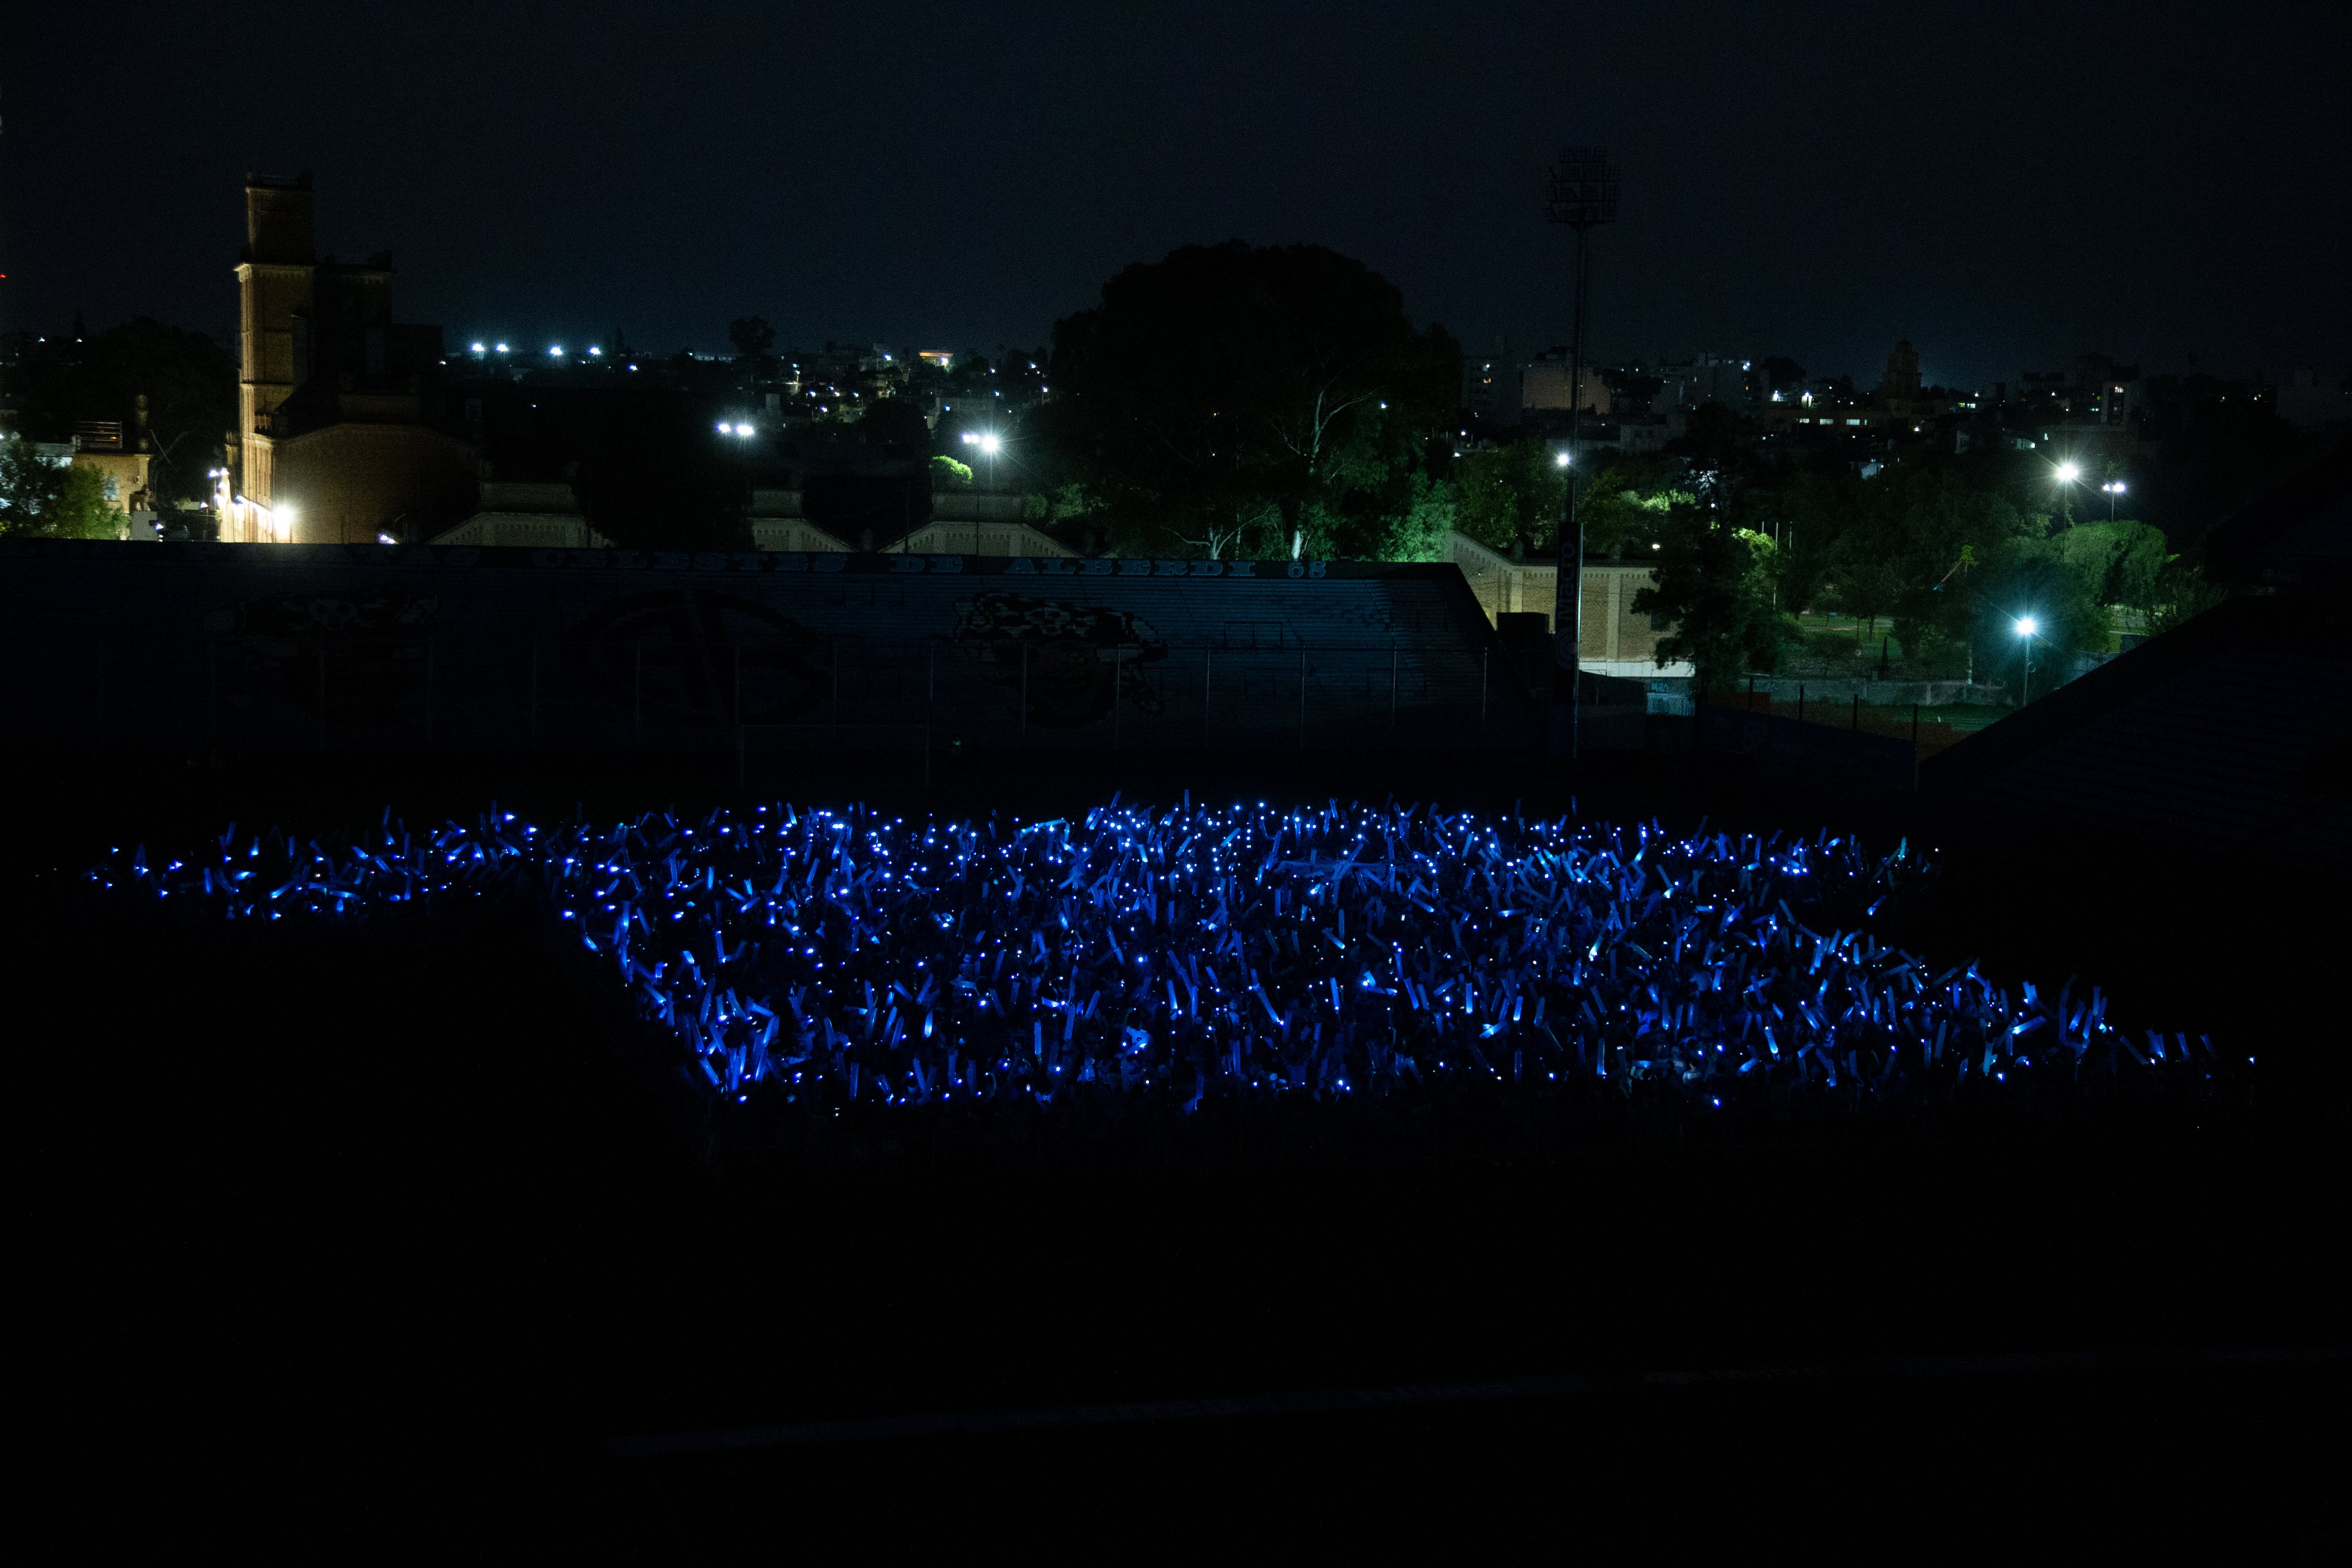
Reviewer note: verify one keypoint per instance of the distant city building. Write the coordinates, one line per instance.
(1703, 379)
(1543, 384)
(1491, 387)
(120, 461)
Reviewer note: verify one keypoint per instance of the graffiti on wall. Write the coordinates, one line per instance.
(1075, 660)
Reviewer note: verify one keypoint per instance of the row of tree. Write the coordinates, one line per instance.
(1231, 400)
(1947, 553)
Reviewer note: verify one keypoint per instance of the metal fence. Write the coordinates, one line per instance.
(737, 699)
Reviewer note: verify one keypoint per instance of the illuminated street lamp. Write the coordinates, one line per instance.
(2026, 627)
(1561, 460)
(2066, 474)
(2114, 489)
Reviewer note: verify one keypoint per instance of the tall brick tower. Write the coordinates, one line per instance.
(342, 431)
(1901, 389)
(276, 280)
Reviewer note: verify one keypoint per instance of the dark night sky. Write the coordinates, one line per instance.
(2006, 185)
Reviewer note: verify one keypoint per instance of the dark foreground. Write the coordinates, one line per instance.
(409, 1279)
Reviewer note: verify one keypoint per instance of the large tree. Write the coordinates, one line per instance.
(189, 382)
(42, 499)
(1232, 397)
(658, 478)
(1510, 498)
(1710, 584)
(754, 339)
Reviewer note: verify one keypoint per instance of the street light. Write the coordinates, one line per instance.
(2114, 489)
(1560, 459)
(2066, 474)
(2026, 625)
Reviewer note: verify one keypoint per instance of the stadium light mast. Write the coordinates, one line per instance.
(1583, 195)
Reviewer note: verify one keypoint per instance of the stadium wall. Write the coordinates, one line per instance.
(197, 648)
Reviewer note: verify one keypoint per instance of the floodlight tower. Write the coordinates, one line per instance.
(1584, 196)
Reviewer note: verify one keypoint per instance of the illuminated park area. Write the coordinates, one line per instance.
(829, 958)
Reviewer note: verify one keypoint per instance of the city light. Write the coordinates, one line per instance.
(502, 348)
(991, 443)
(2026, 625)
(595, 354)
(1560, 459)
(477, 348)
(2068, 473)
(556, 351)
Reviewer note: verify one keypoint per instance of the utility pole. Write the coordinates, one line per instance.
(1583, 195)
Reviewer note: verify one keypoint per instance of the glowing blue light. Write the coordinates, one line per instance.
(1575, 940)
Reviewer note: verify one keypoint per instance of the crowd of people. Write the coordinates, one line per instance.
(833, 958)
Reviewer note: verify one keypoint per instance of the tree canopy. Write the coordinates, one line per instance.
(42, 499)
(1511, 498)
(658, 480)
(189, 382)
(1232, 397)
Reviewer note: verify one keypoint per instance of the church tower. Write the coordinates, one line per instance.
(1901, 388)
(276, 280)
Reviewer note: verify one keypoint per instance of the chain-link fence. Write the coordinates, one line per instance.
(395, 690)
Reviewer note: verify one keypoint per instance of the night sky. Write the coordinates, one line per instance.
(2006, 185)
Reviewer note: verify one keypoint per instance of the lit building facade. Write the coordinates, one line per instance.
(337, 438)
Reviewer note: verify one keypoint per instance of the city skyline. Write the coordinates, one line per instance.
(1791, 189)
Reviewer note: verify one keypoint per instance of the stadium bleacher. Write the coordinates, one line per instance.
(394, 649)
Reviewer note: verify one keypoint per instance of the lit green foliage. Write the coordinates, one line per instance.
(1712, 584)
(2032, 577)
(2181, 592)
(2125, 560)
(1421, 531)
(1627, 508)
(40, 500)
(946, 474)
(1510, 496)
